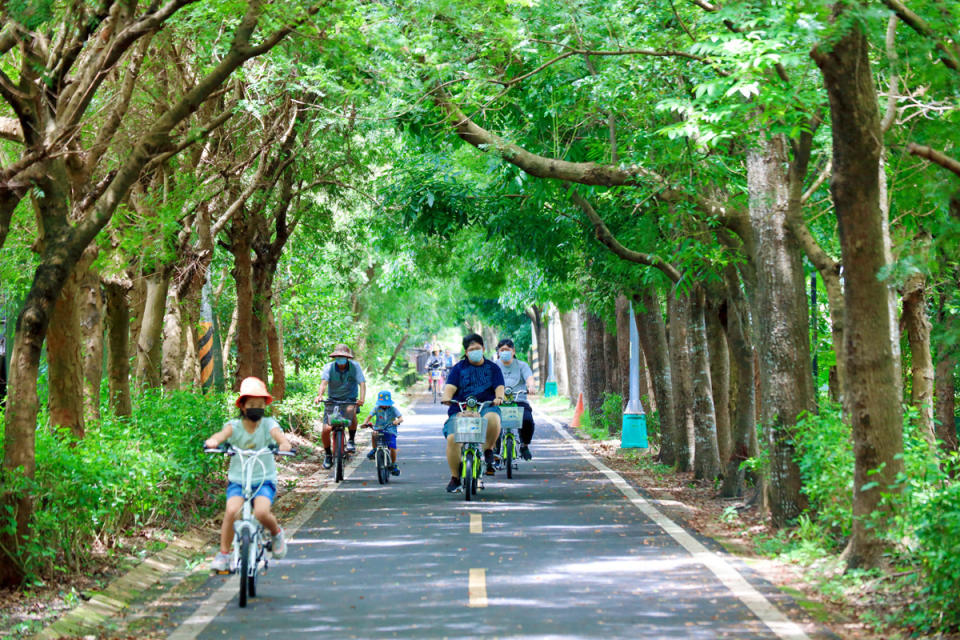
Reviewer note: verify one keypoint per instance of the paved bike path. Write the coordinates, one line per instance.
(556, 552)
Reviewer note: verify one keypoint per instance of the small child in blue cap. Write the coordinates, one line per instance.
(387, 417)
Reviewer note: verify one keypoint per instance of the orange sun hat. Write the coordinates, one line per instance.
(253, 387)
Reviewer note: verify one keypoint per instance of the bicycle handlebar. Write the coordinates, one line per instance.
(471, 404)
(230, 450)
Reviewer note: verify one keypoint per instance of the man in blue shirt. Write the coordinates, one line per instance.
(476, 377)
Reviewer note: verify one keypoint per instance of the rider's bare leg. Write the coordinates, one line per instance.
(234, 505)
(493, 430)
(453, 455)
(261, 509)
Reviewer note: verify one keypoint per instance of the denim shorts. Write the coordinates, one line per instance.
(268, 490)
(389, 438)
(448, 425)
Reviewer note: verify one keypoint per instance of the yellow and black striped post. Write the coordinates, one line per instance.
(205, 347)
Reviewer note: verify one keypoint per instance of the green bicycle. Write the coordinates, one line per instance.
(511, 419)
(469, 431)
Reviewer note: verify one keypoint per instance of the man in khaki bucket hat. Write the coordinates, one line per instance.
(345, 379)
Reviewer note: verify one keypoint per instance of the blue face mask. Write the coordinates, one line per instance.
(475, 356)
(506, 356)
(341, 361)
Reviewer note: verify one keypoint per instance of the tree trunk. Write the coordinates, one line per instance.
(278, 387)
(396, 351)
(706, 458)
(871, 371)
(720, 376)
(611, 365)
(744, 415)
(572, 323)
(243, 277)
(172, 343)
(91, 324)
(595, 376)
(560, 364)
(622, 310)
(149, 342)
(118, 334)
(138, 301)
(190, 317)
(231, 334)
(64, 357)
(539, 322)
(678, 308)
(653, 340)
(945, 383)
(780, 301)
(917, 325)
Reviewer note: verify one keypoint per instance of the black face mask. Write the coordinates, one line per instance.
(254, 414)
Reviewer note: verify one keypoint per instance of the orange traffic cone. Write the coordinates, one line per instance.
(578, 411)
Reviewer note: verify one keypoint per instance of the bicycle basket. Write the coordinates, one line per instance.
(511, 417)
(468, 429)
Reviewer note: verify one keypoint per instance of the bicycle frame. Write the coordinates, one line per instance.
(511, 419)
(471, 449)
(338, 424)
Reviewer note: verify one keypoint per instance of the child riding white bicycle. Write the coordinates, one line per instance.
(251, 431)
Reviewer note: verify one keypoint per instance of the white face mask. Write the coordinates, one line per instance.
(506, 356)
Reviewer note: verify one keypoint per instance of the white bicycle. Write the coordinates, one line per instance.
(249, 544)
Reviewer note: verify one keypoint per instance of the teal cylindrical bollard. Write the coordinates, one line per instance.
(549, 389)
(634, 434)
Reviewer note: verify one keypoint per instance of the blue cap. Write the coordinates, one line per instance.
(384, 399)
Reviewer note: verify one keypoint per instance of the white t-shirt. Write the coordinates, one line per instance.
(515, 376)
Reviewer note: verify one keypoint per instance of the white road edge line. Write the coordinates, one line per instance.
(216, 601)
(775, 620)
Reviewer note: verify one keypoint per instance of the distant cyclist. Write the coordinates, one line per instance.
(476, 377)
(518, 375)
(346, 382)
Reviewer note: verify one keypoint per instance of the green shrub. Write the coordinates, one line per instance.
(611, 416)
(936, 517)
(825, 457)
(125, 473)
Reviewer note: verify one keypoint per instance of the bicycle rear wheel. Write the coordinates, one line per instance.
(244, 567)
(467, 477)
(338, 455)
(509, 445)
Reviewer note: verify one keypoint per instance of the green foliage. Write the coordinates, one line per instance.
(936, 518)
(124, 474)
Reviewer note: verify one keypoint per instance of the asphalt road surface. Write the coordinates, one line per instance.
(566, 549)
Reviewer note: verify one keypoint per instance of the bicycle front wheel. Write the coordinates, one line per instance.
(383, 473)
(509, 445)
(244, 567)
(338, 455)
(467, 476)
(258, 551)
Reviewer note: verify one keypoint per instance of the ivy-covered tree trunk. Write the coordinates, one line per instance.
(706, 456)
(917, 326)
(720, 375)
(653, 341)
(678, 309)
(118, 333)
(872, 382)
(780, 312)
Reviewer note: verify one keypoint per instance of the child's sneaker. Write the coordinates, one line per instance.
(279, 545)
(221, 563)
(394, 470)
(372, 454)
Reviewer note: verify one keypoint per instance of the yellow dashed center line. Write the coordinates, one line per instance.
(476, 523)
(478, 588)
